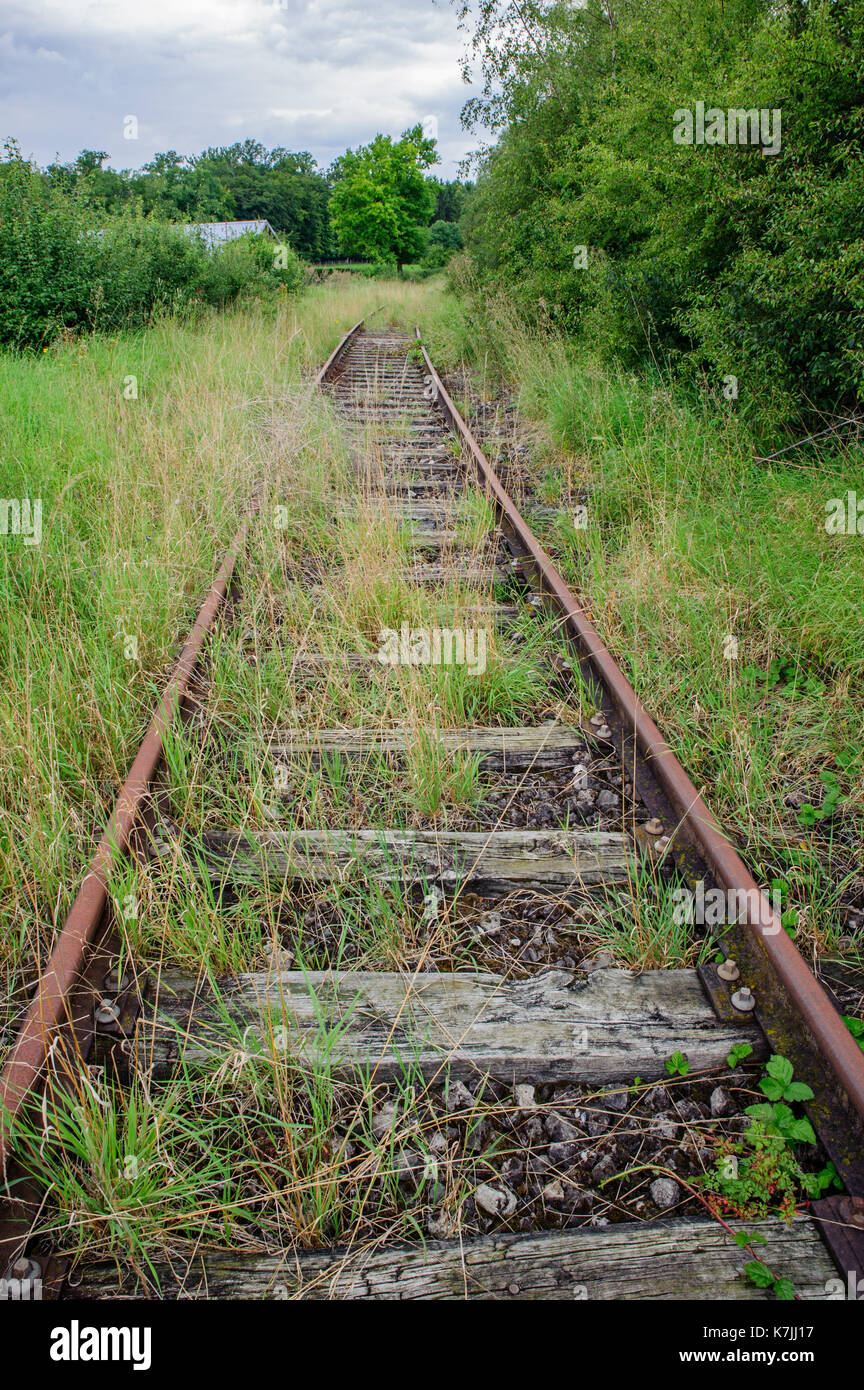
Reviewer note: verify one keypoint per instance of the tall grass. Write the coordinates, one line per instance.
(710, 573)
(258, 1150)
(143, 449)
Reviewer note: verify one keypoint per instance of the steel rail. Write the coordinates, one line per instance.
(340, 349)
(47, 1012)
(831, 1035)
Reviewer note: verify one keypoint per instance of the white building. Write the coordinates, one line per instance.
(217, 233)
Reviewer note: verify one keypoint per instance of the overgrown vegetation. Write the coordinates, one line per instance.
(763, 1171)
(711, 575)
(382, 200)
(241, 181)
(139, 497)
(258, 1151)
(84, 246)
(737, 257)
(62, 271)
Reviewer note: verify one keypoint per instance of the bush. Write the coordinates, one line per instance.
(718, 260)
(47, 262)
(140, 266)
(59, 271)
(252, 264)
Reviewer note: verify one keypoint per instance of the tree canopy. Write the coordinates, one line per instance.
(241, 181)
(717, 257)
(382, 200)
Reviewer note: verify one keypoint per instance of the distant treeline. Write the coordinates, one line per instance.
(229, 183)
(682, 186)
(85, 247)
(67, 265)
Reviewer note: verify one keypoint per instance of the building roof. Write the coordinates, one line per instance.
(215, 233)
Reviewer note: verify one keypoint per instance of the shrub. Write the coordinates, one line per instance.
(142, 265)
(716, 259)
(59, 271)
(47, 262)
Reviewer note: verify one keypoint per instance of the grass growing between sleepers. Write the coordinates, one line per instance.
(712, 575)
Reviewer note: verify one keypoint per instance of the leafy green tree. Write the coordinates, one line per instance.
(445, 240)
(722, 260)
(63, 266)
(450, 199)
(283, 186)
(382, 199)
(446, 235)
(171, 187)
(244, 180)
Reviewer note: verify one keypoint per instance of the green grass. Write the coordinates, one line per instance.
(140, 498)
(709, 571)
(259, 1151)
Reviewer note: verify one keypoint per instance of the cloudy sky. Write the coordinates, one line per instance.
(319, 75)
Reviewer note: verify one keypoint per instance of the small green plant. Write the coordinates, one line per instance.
(738, 1053)
(779, 1119)
(743, 1239)
(778, 1086)
(817, 1183)
(785, 678)
(788, 916)
(758, 1272)
(831, 799)
(856, 1028)
(848, 759)
(754, 1176)
(677, 1064)
(759, 1173)
(764, 1278)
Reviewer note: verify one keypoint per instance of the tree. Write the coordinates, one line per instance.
(173, 188)
(283, 186)
(382, 199)
(446, 235)
(445, 240)
(450, 199)
(721, 257)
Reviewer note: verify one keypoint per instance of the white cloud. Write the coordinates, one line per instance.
(318, 74)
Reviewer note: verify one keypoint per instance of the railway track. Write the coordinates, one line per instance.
(514, 1093)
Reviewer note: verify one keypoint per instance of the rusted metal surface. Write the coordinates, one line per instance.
(51, 1009)
(841, 1224)
(835, 1043)
(331, 366)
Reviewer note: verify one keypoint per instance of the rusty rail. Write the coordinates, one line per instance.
(47, 1012)
(834, 1040)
